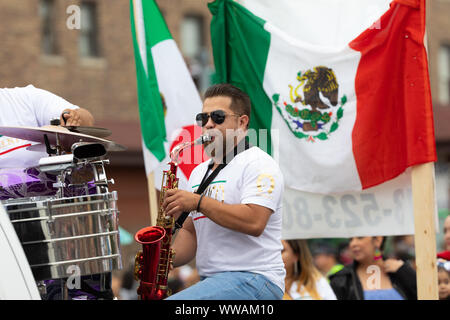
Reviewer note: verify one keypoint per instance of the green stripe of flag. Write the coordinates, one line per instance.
(155, 27)
(240, 48)
(150, 104)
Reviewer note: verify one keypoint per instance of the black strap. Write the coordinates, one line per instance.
(208, 179)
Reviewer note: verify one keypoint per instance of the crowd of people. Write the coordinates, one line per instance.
(234, 236)
(360, 268)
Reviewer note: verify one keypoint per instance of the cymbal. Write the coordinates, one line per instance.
(66, 137)
(91, 131)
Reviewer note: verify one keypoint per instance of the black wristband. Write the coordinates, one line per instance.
(62, 116)
(199, 200)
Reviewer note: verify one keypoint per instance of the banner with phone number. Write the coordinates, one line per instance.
(386, 210)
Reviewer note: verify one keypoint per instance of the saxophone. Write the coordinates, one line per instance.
(152, 264)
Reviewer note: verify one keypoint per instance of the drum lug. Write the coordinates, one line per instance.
(59, 185)
(50, 221)
(51, 226)
(42, 288)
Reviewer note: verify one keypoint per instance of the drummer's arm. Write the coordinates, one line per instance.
(77, 117)
(185, 244)
(46, 105)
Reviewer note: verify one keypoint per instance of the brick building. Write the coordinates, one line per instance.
(438, 31)
(93, 67)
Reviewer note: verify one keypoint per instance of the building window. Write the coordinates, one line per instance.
(191, 36)
(444, 74)
(48, 35)
(193, 49)
(88, 44)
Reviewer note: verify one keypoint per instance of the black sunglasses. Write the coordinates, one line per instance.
(217, 116)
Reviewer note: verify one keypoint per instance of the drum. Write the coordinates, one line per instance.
(69, 236)
(32, 182)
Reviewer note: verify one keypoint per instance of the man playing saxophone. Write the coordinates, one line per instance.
(234, 227)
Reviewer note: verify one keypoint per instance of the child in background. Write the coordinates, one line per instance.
(444, 280)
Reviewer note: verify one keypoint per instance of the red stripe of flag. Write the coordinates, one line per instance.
(394, 119)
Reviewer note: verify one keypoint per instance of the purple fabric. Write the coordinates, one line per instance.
(53, 288)
(31, 182)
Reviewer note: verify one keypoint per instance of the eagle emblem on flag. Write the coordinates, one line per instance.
(310, 108)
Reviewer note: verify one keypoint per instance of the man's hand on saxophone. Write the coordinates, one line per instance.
(179, 201)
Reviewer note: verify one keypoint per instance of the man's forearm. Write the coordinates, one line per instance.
(249, 218)
(185, 246)
(246, 218)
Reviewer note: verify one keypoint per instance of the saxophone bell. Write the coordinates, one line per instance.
(152, 264)
(145, 266)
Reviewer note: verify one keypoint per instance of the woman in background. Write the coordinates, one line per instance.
(303, 280)
(446, 253)
(370, 277)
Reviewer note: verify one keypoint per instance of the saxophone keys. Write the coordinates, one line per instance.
(138, 262)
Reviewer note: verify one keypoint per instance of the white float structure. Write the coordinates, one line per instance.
(16, 279)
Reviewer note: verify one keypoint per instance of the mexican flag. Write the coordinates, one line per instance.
(167, 96)
(343, 85)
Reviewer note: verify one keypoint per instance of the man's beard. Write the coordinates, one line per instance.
(215, 149)
(221, 145)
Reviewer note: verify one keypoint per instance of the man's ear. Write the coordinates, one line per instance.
(244, 121)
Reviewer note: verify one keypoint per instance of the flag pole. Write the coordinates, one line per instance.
(423, 192)
(152, 198)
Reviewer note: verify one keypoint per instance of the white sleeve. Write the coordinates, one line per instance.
(262, 184)
(46, 105)
(324, 289)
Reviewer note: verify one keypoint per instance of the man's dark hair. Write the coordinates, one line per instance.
(240, 101)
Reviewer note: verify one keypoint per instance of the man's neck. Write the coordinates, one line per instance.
(219, 160)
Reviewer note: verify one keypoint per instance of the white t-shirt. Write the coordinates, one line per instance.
(29, 107)
(251, 177)
(322, 286)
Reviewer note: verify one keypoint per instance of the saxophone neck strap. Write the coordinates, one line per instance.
(208, 179)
